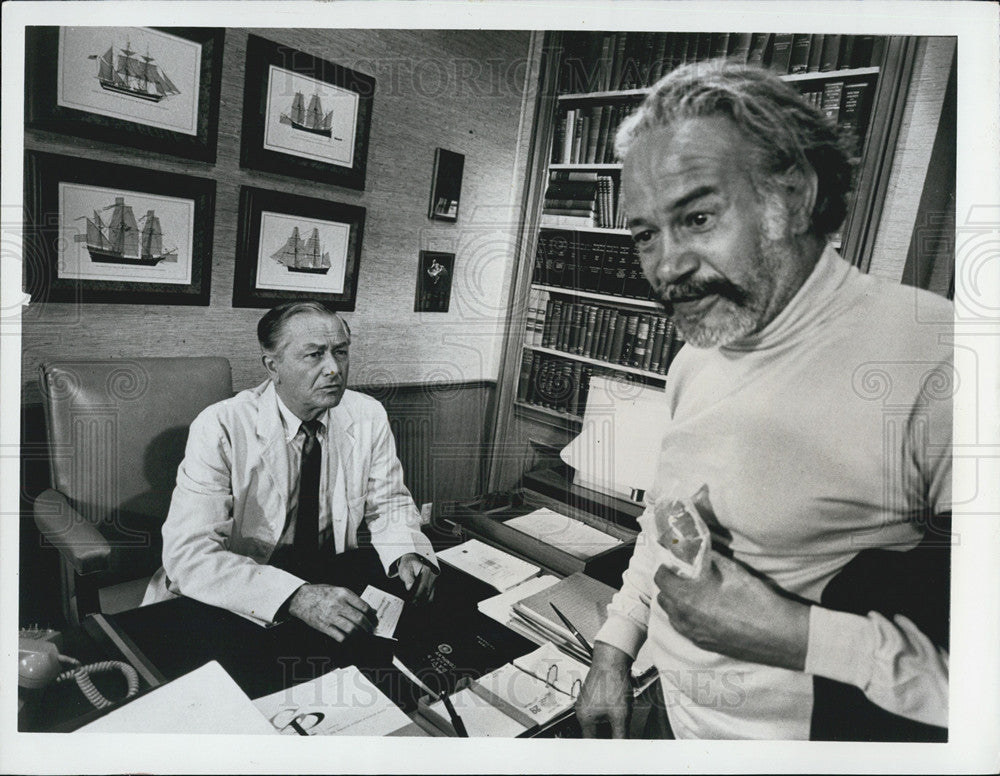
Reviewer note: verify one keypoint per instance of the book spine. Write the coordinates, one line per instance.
(568, 132)
(608, 335)
(553, 314)
(641, 340)
(815, 52)
(781, 52)
(524, 379)
(741, 46)
(576, 378)
(656, 349)
(628, 342)
(758, 48)
(798, 61)
(853, 115)
(719, 46)
(846, 55)
(832, 94)
(562, 340)
(831, 53)
(590, 329)
(572, 176)
(618, 344)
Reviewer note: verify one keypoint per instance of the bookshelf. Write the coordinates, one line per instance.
(589, 83)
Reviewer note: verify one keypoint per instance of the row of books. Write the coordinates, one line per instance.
(611, 61)
(585, 135)
(590, 262)
(557, 383)
(576, 198)
(641, 340)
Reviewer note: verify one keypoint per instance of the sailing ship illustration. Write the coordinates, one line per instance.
(121, 241)
(300, 255)
(311, 119)
(133, 76)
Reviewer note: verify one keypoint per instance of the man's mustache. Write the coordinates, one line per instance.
(693, 289)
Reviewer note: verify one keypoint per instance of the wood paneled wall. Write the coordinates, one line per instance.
(461, 90)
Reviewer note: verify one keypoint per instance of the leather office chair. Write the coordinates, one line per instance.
(116, 432)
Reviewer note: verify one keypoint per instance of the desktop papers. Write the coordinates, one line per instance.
(554, 668)
(501, 607)
(530, 696)
(342, 702)
(206, 700)
(571, 536)
(494, 567)
(480, 717)
(387, 608)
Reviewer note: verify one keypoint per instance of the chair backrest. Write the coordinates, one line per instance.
(117, 428)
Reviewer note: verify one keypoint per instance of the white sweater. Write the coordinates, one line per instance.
(823, 435)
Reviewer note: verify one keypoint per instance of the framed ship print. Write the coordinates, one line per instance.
(305, 116)
(152, 89)
(100, 232)
(292, 247)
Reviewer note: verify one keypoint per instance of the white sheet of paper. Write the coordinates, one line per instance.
(494, 567)
(206, 700)
(569, 535)
(501, 607)
(342, 702)
(387, 607)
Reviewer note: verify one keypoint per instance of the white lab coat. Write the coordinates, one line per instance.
(229, 507)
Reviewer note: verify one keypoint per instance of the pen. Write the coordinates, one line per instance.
(456, 721)
(573, 630)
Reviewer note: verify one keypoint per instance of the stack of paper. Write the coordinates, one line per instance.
(554, 668)
(342, 702)
(574, 537)
(494, 567)
(207, 700)
(501, 607)
(525, 694)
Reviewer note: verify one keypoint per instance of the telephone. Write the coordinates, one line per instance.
(39, 664)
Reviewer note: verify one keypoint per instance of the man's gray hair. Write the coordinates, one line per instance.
(784, 132)
(271, 326)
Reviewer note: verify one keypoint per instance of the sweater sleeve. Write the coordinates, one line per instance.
(893, 663)
(628, 612)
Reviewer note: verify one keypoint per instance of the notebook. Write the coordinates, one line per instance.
(576, 538)
(582, 599)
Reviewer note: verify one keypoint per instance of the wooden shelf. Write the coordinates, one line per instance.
(624, 94)
(589, 229)
(618, 301)
(596, 362)
(610, 167)
(822, 76)
(564, 416)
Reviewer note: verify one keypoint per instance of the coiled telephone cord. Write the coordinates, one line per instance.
(82, 676)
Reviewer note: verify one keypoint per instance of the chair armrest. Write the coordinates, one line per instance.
(77, 539)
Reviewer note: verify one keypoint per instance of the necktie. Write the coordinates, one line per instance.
(306, 541)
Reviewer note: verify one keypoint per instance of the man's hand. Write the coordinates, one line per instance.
(606, 697)
(417, 576)
(733, 612)
(335, 611)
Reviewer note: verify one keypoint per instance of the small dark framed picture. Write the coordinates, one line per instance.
(434, 278)
(155, 89)
(446, 185)
(304, 116)
(100, 232)
(293, 247)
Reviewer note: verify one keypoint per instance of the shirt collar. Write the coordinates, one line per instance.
(291, 422)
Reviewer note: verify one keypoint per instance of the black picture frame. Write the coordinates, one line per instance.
(435, 274)
(267, 142)
(43, 111)
(266, 220)
(446, 185)
(51, 235)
